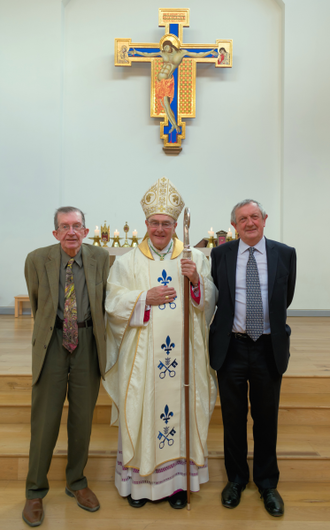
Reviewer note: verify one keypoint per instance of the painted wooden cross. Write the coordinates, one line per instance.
(173, 72)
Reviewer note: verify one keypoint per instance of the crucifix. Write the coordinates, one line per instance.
(173, 72)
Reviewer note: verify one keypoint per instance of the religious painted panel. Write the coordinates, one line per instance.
(173, 72)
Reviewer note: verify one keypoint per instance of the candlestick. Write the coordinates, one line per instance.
(229, 235)
(97, 241)
(212, 242)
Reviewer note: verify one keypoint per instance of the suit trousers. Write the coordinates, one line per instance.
(76, 376)
(249, 367)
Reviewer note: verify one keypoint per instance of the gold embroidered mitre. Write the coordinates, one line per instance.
(162, 198)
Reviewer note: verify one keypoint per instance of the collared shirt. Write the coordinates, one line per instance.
(79, 280)
(239, 324)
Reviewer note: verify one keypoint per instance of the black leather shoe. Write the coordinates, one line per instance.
(136, 503)
(231, 494)
(273, 501)
(178, 500)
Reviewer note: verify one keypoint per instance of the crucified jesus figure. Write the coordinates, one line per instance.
(172, 57)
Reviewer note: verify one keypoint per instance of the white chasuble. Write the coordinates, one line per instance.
(166, 320)
(145, 364)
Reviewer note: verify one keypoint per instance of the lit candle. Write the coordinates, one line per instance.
(211, 232)
(96, 231)
(134, 233)
(116, 233)
(230, 234)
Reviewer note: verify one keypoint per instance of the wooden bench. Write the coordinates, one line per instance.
(19, 304)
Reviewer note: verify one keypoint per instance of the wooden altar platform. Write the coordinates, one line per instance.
(303, 449)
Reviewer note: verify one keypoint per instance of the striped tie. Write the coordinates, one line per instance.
(70, 323)
(254, 311)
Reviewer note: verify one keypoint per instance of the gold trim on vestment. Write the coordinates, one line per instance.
(144, 247)
(194, 374)
(177, 248)
(165, 462)
(130, 376)
(206, 346)
(136, 301)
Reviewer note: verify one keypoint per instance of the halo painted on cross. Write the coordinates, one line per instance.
(170, 38)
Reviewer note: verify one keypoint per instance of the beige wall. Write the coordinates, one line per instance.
(76, 130)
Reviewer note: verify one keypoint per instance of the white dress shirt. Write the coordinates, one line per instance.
(239, 325)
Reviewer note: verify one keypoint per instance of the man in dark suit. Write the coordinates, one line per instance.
(249, 348)
(66, 284)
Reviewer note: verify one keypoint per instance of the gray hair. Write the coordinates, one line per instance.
(243, 203)
(68, 209)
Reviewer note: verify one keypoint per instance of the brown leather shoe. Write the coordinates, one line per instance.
(33, 513)
(85, 498)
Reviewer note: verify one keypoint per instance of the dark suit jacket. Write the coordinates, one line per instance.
(281, 263)
(42, 269)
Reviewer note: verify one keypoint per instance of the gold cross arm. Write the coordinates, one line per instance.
(173, 72)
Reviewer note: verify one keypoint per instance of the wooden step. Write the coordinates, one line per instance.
(296, 408)
(20, 412)
(11, 383)
(303, 452)
(307, 507)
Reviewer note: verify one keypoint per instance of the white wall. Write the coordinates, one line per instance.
(75, 130)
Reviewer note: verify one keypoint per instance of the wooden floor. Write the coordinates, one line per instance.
(310, 345)
(306, 508)
(303, 450)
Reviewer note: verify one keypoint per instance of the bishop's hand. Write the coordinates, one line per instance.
(160, 295)
(188, 268)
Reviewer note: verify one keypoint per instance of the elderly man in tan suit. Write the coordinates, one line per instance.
(66, 284)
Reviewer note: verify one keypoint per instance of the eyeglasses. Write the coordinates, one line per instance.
(76, 228)
(156, 224)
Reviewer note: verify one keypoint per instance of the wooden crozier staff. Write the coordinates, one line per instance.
(186, 255)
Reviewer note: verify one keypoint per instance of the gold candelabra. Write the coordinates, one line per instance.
(97, 241)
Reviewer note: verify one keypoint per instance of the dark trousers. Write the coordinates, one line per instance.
(76, 375)
(250, 367)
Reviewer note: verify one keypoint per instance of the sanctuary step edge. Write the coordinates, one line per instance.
(303, 453)
(303, 439)
(304, 400)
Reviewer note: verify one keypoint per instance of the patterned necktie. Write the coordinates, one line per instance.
(254, 311)
(70, 323)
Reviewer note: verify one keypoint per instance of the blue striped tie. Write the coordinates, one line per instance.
(254, 311)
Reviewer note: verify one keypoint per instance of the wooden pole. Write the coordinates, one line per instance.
(186, 255)
(186, 381)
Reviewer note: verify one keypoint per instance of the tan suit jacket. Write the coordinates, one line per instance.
(42, 269)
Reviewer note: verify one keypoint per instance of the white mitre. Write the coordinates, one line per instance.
(162, 198)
